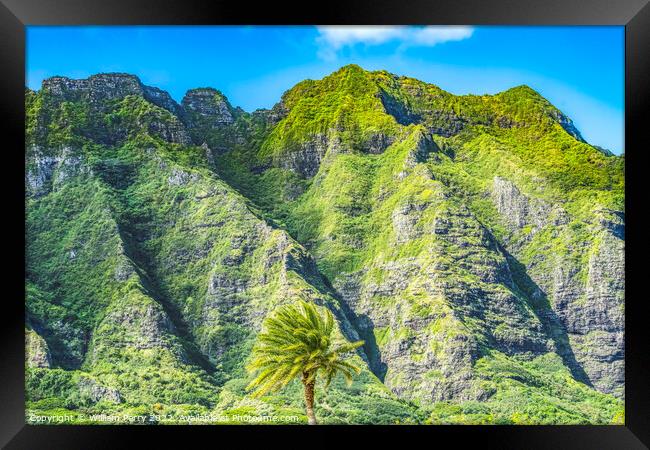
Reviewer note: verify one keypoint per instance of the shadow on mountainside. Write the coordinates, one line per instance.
(550, 321)
(364, 327)
(155, 291)
(131, 228)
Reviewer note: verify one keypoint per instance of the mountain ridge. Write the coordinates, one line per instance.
(426, 237)
(60, 84)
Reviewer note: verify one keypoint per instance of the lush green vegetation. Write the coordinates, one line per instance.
(541, 391)
(346, 101)
(130, 227)
(152, 261)
(296, 341)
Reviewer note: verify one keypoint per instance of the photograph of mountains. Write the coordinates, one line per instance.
(399, 225)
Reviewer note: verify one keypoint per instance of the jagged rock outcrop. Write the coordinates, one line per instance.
(37, 353)
(161, 98)
(306, 159)
(160, 235)
(45, 172)
(107, 86)
(211, 119)
(207, 103)
(437, 121)
(169, 129)
(587, 294)
(272, 116)
(567, 124)
(95, 392)
(94, 89)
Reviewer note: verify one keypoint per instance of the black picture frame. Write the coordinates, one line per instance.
(633, 14)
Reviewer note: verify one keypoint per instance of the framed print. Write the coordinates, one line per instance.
(411, 217)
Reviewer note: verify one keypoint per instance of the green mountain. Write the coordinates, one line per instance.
(476, 244)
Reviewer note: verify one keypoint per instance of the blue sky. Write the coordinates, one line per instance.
(579, 69)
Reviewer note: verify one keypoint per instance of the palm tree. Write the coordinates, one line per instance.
(296, 340)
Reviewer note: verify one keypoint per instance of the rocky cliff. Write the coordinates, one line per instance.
(476, 244)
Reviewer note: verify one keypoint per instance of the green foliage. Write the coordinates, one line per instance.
(48, 383)
(296, 340)
(541, 391)
(150, 265)
(346, 102)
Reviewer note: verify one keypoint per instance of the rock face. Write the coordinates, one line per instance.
(169, 130)
(568, 125)
(107, 86)
(96, 392)
(272, 116)
(306, 159)
(210, 119)
(438, 121)
(588, 295)
(427, 348)
(207, 103)
(593, 311)
(160, 235)
(96, 88)
(517, 209)
(142, 327)
(46, 172)
(161, 98)
(37, 354)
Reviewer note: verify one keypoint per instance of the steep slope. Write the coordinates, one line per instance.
(557, 204)
(149, 276)
(475, 243)
(395, 194)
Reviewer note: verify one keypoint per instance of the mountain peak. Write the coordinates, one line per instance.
(104, 85)
(523, 88)
(349, 72)
(538, 102)
(208, 102)
(107, 86)
(355, 68)
(115, 77)
(200, 91)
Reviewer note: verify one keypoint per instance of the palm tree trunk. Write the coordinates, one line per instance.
(309, 400)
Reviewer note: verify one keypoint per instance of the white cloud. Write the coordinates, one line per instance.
(436, 35)
(332, 38)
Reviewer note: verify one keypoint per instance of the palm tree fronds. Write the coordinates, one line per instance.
(296, 339)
